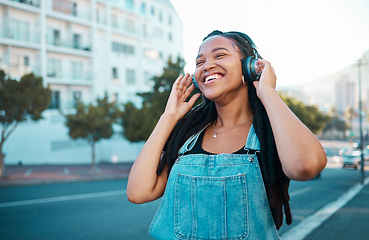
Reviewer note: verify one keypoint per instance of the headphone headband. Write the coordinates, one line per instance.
(249, 40)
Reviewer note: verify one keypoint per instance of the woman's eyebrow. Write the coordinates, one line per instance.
(214, 50)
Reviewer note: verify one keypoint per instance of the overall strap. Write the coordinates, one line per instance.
(190, 143)
(252, 141)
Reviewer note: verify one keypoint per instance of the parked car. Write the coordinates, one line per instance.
(351, 159)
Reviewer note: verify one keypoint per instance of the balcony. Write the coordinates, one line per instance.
(69, 76)
(16, 70)
(34, 3)
(68, 44)
(23, 36)
(69, 9)
(124, 29)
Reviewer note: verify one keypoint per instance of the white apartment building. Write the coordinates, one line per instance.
(83, 49)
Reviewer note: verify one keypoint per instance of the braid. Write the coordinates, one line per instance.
(196, 119)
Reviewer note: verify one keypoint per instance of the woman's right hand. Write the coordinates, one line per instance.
(144, 184)
(181, 90)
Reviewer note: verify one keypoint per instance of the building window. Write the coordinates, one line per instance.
(151, 54)
(18, 30)
(130, 27)
(152, 10)
(77, 96)
(26, 61)
(143, 8)
(170, 37)
(77, 70)
(123, 48)
(130, 4)
(115, 73)
(56, 38)
(54, 68)
(160, 16)
(55, 100)
(170, 19)
(66, 7)
(131, 76)
(114, 21)
(76, 41)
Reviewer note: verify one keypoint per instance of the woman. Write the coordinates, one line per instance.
(231, 158)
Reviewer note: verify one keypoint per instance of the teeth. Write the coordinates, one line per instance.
(213, 76)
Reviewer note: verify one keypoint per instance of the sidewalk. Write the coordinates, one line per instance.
(41, 174)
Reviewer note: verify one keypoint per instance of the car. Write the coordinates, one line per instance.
(351, 159)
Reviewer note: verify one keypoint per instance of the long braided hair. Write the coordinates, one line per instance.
(275, 181)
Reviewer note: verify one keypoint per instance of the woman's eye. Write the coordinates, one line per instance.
(199, 63)
(220, 55)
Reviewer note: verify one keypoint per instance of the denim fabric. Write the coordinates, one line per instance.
(215, 197)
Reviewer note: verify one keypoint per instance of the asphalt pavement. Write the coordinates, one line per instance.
(349, 221)
(43, 174)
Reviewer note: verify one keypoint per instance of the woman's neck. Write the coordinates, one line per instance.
(233, 113)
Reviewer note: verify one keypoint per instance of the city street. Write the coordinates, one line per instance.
(100, 209)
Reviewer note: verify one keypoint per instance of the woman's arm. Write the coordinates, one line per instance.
(144, 184)
(301, 154)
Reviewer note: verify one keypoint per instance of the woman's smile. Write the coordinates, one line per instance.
(212, 78)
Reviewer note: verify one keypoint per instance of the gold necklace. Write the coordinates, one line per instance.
(216, 133)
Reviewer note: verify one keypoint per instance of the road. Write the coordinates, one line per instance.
(100, 209)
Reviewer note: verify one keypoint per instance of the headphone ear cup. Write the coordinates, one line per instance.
(249, 69)
(194, 82)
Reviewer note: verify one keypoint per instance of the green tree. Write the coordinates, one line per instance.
(20, 101)
(138, 123)
(308, 114)
(349, 114)
(93, 123)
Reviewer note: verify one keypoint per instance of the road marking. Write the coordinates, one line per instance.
(300, 191)
(28, 172)
(305, 227)
(64, 198)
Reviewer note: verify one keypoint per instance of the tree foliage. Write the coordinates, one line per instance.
(19, 101)
(93, 122)
(139, 123)
(308, 114)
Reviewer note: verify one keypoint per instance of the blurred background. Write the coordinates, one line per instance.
(84, 50)
(84, 82)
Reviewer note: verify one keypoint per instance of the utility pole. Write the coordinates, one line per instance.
(359, 64)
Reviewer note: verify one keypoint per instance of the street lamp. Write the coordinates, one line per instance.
(359, 64)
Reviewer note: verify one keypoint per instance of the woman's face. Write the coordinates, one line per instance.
(218, 67)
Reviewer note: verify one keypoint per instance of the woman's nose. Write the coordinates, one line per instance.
(208, 65)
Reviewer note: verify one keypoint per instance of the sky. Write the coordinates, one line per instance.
(303, 39)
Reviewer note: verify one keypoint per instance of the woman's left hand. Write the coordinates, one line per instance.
(267, 80)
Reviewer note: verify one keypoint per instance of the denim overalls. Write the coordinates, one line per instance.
(215, 197)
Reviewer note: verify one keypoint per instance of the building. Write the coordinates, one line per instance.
(338, 90)
(344, 93)
(82, 50)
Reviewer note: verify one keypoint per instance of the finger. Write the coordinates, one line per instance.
(177, 81)
(182, 82)
(189, 91)
(188, 80)
(193, 99)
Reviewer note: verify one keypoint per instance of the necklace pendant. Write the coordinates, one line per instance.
(215, 135)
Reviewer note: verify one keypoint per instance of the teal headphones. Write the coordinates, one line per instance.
(248, 64)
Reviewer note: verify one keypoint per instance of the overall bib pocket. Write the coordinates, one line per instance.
(211, 207)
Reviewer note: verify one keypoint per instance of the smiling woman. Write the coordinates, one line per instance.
(224, 166)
